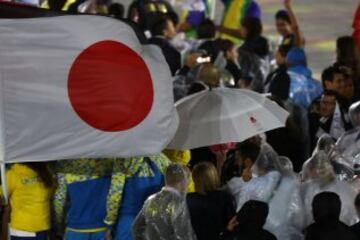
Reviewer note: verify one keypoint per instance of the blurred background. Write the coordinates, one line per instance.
(322, 21)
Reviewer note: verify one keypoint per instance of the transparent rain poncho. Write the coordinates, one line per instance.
(349, 144)
(280, 189)
(341, 164)
(286, 164)
(325, 143)
(354, 114)
(319, 176)
(164, 216)
(355, 183)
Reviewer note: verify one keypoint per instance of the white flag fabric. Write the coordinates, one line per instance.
(81, 86)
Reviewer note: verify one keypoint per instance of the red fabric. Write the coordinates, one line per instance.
(222, 147)
(356, 23)
(356, 27)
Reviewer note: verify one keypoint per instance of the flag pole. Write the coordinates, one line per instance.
(5, 196)
(3, 181)
(3, 158)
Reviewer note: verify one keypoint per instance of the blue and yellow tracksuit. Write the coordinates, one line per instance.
(80, 199)
(98, 194)
(140, 178)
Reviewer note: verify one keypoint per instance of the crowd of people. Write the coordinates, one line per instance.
(301, 181)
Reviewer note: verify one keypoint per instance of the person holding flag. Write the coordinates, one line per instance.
(234, 13)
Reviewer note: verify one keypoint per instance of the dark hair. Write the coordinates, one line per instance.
(116, 10)
(206, 29)
(346, 48)
(249, 149)
(280, 85)
(326, 207)
(283, 15)
(357, 200)
(329, 73)
(253, 26)
(212, 48)
(159, 26)
(252, 215)
(173, 17)
(247, 79)
(42, 170)
(56, 5)
(135, 5)
(226, 45)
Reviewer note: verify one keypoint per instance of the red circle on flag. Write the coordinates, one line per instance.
(110, 87)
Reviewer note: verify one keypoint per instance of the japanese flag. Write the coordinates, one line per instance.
(81, 86)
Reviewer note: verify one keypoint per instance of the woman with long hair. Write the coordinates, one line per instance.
(210, 208)
(30, 189)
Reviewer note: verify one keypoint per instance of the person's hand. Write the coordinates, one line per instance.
(183, 27)
(191, 60)
(287, 3)
(232, 224)
(247, 174)
(108, 234)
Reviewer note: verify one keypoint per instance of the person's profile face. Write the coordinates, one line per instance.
(327, 105)
(248, 163)
(348, 90)
(232, 54)
(339, 82)
(280, 59)
(170, 30)
(134, 15)
(244, 32)
(283, 27)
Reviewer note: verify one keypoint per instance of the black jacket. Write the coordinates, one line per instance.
(356, 229)
(262, 234)
(334, 231)
(314, 126)
(234, 70)
(172, 56)
(210, 213)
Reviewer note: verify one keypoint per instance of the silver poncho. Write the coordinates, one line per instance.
(164, 216)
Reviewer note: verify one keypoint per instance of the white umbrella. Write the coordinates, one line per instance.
(224, 115)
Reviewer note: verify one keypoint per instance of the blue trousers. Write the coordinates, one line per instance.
(70, 235)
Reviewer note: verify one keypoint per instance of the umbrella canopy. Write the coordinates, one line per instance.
(224, 115)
